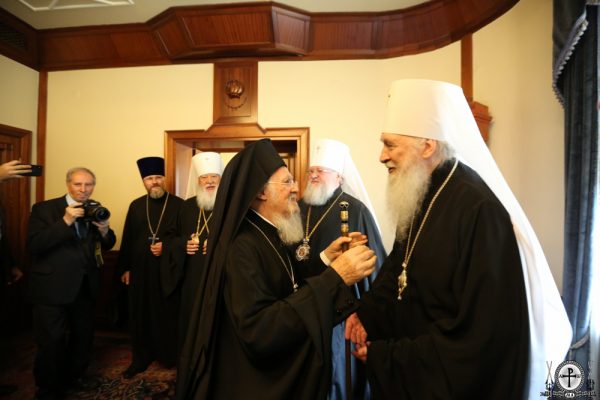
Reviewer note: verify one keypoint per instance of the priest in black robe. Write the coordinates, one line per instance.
(153, 311)
(258, 331)
(183, 265)
(334, 184)
(447, 317)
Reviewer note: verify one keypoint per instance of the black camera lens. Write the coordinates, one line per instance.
(93, 211)
(101, 214)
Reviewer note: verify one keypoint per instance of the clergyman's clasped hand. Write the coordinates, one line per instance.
(356, 263)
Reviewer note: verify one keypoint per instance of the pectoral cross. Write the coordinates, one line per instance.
(402, 281)
(153, 239)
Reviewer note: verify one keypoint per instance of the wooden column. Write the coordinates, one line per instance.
(480, 111)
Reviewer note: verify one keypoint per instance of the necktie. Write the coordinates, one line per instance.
(81, 228)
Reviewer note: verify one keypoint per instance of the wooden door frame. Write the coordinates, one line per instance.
(219, 137)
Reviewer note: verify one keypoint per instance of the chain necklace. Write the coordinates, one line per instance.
(290, 270)
(303, 250)
(403, 278)
(153, 238)
(196, 236)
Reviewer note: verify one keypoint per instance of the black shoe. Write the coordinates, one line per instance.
(5, 390)
(133, 370)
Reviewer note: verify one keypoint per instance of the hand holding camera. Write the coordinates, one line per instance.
(93, 211)
(88, 211)
(73, 212)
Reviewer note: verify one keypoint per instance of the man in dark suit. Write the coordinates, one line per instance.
(65, 243)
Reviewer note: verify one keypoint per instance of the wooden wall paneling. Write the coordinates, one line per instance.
(40, 183)
(264, 31)
(240, 27)
(18, 40)
(93, 47)
(291, 30)
(344, 35)
(480, 111)
(15, 144)
(230, 31)
(173, 38)
(235, 93)
(220, 137)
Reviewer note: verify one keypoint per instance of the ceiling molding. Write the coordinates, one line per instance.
(55, 5)
(258, 31)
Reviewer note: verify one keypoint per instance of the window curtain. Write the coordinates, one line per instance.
(575, 81)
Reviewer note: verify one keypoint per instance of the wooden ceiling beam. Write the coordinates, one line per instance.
(256, 31)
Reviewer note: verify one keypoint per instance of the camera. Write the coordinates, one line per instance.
(94, 211)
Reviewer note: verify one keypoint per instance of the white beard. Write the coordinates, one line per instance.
(156, 192)
(205, 199)
(318, 194)
(406, 189)
(289, 227)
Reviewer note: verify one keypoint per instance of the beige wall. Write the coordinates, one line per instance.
(19, 101)
(106, 119)
(345, 100)
(513, 75)
(18, 95)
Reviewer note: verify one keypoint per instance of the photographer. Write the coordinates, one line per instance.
(65, 238)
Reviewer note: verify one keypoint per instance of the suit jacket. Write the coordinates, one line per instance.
(60, 259)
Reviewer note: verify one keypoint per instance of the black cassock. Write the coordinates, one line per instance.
(461, 330)
(274, 343)
(181, 270)
(326, 219)
(152, 313)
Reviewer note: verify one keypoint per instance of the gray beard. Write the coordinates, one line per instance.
(405, 192)
(156, 192)
(204, 199)
(317, 195)
(290, 228)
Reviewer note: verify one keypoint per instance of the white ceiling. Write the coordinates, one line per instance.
(96, 12)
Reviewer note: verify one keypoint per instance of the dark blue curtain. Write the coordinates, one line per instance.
(575, 80)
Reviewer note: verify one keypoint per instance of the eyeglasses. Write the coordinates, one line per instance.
(208, 176)
(319, 171)
(290, 182)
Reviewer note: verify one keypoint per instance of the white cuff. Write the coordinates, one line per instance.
(324, 258)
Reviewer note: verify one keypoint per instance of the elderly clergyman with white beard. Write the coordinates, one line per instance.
(258, 331)
(333, 180)
(464, 306)
(185, 262)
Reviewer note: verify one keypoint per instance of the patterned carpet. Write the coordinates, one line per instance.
(111, 357)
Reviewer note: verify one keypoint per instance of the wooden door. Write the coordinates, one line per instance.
(14, 200)
(15, 195)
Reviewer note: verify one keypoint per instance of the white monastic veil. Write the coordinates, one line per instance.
(439, 110)
(335, 155)
(204, 162)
